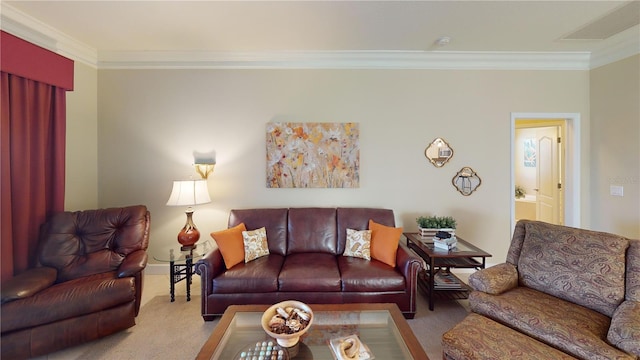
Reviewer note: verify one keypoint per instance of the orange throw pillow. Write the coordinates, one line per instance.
(384, 242)
(231, 244)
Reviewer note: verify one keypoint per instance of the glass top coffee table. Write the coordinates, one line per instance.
(381, 327)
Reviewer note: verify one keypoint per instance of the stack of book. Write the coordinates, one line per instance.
(442, 242)
(446, 280)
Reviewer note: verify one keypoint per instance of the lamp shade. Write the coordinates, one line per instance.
(188, 193)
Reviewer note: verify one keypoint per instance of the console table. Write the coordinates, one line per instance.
(464, 255)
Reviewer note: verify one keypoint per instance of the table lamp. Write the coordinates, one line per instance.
(189, 193)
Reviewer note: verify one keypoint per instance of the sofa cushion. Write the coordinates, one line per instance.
(255, 244)
(572, 328)
(274, 221)
(480, 338)
(312, 230)
(67, 300)
(359, 275)
(231, 244)
(582, 266)
(299, 268)
(259, 275)
(384, 242)
(358, 244)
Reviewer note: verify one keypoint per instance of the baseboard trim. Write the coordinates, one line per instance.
(157, 269)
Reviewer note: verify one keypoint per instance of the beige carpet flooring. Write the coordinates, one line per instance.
(176, 330)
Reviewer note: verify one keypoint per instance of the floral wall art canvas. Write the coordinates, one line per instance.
(313, 155)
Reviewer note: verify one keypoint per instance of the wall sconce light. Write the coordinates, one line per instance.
(189, 193)
(204, 169)
(204, 162)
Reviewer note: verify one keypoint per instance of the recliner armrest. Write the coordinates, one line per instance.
(624, 331)
(496, 279)
(133, 263)
(28, 283)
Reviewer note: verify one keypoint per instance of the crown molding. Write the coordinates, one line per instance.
(36, 32)
(41, 34)
(346, 60)
(620, 47)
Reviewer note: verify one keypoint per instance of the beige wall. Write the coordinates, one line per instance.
(82, 137)
(615, 147)
(151, 121)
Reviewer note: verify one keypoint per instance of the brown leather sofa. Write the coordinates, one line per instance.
(305, 263)
(87, 284)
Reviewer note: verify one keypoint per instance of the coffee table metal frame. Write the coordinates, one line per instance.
(464, 256)
(410, 341)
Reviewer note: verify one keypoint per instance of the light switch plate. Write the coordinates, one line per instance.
(616, 190)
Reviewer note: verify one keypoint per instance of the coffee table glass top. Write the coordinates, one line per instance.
(463, 248)
(376, 328)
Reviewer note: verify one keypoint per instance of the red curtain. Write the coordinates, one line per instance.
(32, 166)
(33, 89)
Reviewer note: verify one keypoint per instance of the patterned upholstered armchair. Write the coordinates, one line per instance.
(573, 289)
(87, 284)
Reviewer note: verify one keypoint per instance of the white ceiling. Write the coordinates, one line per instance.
(130, 31)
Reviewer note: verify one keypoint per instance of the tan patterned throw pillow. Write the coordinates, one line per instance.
(255, 244)
(358, 244)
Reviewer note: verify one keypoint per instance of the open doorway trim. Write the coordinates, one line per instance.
(572, 167)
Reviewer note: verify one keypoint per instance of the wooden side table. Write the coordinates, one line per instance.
(464, 255)
(181, 265)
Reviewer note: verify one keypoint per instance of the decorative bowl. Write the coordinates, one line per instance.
(286, 339)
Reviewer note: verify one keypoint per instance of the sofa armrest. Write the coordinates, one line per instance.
(624, 331)
(28, 283)
(133, 263)
(496, 279)
(210, 266)
(408, 263)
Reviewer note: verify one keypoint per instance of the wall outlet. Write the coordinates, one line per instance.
(616, 190)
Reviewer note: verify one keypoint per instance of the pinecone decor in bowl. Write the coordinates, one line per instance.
(286, 321)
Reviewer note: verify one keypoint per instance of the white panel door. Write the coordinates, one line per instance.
(547, 199)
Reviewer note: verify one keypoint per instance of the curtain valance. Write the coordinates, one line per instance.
(22, 58)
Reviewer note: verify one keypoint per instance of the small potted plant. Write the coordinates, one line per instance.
(430, 225)
(520, 193)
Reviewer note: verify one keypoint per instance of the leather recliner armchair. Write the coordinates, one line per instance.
(87, 283)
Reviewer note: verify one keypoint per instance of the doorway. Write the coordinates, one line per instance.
(539, 151)
(545, 151)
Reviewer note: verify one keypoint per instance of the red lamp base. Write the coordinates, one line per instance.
(189, 235)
